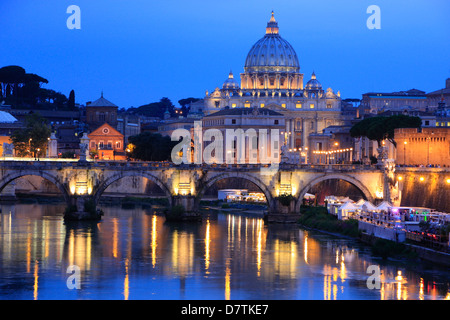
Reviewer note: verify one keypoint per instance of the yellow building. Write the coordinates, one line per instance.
(426, 146)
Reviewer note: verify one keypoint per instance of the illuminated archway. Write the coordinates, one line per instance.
(42, 174)
(105, 184)
(356, 183)
(258, 183)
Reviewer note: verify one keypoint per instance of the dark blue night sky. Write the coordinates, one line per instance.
(138, 51)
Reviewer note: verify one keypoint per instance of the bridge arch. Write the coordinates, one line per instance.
(365, 191)
(43, 174)
(110, 180)
(261, 185)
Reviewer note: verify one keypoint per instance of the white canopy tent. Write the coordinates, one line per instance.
(345, 210)
(367, 206)
(384, 206)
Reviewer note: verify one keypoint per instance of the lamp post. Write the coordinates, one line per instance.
(404, 152)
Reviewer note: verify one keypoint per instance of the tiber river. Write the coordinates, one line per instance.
(136, 254)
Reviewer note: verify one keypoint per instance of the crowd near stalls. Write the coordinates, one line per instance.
(416, 223)
(238, 195)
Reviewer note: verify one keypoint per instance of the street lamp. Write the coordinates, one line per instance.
(404, 152)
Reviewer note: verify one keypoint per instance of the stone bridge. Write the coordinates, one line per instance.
(185, 184)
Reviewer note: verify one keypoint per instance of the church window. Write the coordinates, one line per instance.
(233, 121)
(329, 106)
(283, 105)
(298, 105)
(117, 144)
(275, 122)
(311, 106)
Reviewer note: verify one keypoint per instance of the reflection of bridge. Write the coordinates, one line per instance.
(186, 184)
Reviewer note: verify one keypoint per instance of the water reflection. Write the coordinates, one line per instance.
(136, 254)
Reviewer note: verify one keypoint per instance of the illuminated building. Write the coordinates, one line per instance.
(101, 111)
(376, 102)
(428, 146)
(272, 80)
(107, 142)
(253, 148)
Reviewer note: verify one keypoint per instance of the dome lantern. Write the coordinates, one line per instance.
(272, 26)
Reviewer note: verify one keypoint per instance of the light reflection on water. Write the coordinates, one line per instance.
(135, 254)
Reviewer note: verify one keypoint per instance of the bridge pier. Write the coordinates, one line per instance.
(282, 210)
(82, 207)
(183, 209)
(9, 192)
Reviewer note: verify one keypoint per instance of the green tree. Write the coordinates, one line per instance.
(186, 104)
(32, 140)
(19, 87)
(155, 109)
(381, 128)
(149, 146)
(71, 101)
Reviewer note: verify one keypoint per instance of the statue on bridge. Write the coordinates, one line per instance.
(84, 147)
(8, 149)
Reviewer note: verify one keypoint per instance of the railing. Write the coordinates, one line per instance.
(429, 240)
(421, 169)
(14, 161)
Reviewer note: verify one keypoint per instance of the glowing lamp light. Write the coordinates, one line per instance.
(294, 190)
(379, 194)
(184, 189)
(421, 179)
(448, 181)
(400, 178)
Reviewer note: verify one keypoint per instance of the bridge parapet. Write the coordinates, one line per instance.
(92, 178)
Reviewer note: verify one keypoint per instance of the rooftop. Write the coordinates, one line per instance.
(6, 117)
(101, 102)
(245, 111)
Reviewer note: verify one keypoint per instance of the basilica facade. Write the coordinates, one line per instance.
(272, 80)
